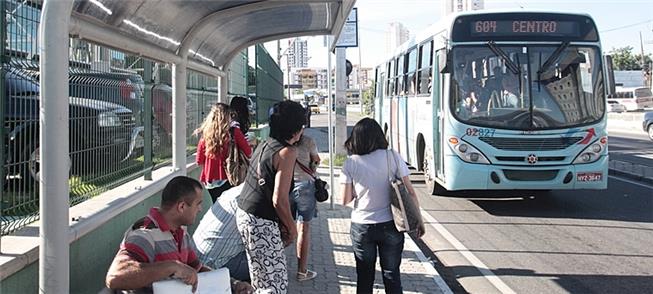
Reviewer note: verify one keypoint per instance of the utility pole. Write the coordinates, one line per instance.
(641, 44)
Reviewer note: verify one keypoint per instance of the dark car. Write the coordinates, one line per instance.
(125, 89)
(647, 124)
(100, 131)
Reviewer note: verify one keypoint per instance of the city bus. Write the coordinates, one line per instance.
(500, 101)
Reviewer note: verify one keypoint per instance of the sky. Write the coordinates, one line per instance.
(619, 23)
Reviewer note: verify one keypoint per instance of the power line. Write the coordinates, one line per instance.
(627, 26)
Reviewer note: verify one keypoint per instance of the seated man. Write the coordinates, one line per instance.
(510, 94)
(218, 242)
(157, 247)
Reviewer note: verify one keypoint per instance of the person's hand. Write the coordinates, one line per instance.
(240, 287)
(288, 235)
(186, 274)
(420, 231)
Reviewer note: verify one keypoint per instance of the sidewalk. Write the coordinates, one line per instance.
(628, 123)
(331, 256)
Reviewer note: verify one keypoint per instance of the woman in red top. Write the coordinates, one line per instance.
(213, 149)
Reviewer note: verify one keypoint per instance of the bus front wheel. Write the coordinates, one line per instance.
(432, 187)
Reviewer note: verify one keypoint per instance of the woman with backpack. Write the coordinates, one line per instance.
(213, 148)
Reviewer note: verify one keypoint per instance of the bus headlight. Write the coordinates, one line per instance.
(592, 152)
(467, 152)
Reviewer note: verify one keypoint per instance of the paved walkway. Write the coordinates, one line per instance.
(331, 256)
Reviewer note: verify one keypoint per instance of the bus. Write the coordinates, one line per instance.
(508, 100)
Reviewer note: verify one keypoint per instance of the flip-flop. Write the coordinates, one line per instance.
(308, 275)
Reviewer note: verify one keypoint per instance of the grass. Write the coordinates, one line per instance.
(338, 160)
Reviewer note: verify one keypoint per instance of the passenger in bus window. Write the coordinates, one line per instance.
(509, 95)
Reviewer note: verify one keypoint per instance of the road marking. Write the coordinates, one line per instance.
(632, 182)
(488, 274)
(430, 270)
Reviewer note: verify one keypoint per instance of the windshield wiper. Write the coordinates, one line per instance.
(553, 57)
(498, 52)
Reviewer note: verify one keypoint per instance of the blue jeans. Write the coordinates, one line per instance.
(303, 204)
(238, 268)
(366, 240)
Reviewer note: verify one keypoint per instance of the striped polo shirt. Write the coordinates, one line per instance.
(151, 240)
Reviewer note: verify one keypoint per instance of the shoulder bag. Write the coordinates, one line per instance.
(405, 212)
(236, 163)
(321, 193)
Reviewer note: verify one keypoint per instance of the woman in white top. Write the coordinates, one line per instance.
(365, 181)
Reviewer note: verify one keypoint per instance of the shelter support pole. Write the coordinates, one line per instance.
(54, 255)
(341, 101)
(179, 115)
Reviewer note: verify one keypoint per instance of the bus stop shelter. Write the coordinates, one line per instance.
(200, 35)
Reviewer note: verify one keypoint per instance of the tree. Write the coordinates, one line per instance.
(624, 59)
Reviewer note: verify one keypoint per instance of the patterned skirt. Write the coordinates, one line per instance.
(265, 255)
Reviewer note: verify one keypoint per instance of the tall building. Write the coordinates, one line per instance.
(395, 35)
(453, 6)
(366, 76)
(322, 78)
(298, 53)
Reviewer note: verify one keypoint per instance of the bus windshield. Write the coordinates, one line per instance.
(554, 86)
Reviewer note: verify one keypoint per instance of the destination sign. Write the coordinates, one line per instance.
(488, 28)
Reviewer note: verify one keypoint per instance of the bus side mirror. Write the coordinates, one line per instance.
(444, 60)
(609, 75)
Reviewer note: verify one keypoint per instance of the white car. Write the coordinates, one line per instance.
(614, 106)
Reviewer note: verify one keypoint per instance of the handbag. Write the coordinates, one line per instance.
(405, 212)
(321, 193)
(237, 162)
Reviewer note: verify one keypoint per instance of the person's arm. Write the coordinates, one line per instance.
(242, 143)
(346, 193)
(285, 164)
(201, 156)
(346, 184)
(125, 273)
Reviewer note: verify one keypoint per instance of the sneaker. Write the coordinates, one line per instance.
(308, 275)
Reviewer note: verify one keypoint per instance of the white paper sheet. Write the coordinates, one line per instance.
(213, 282)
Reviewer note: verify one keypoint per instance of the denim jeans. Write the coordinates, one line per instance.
(303, 204)
(366, 240)
(238, 268)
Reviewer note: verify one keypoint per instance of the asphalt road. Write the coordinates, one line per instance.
(582, 241)
(630, 147)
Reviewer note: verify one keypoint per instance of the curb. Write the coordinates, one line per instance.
(631, 176)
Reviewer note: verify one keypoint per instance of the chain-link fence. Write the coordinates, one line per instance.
(120, 106)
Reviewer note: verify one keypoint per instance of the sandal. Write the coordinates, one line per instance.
(308, 275)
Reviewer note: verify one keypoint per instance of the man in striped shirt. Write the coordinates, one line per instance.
(218, 242)
(158, 247)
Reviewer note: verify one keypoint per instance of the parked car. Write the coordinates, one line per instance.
(647, 124)
(314, 108)
(614, 106)
(633, 98)
(100, 131)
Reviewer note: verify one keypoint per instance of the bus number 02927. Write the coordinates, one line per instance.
(480, 132)
(486, 26)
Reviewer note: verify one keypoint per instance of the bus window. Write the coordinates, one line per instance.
(390, 89)
(399, 76)
(412, 67)
(424, 71)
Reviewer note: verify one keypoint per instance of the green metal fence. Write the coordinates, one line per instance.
(269, 83)
(120, 116)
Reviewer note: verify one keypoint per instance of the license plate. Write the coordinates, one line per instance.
(589, 177)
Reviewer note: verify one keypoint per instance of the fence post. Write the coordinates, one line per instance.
(54, 249)
(3, 32)
(147, 120)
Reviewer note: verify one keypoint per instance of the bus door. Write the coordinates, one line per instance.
(438, 116)
(379, 97)
(402, 138)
